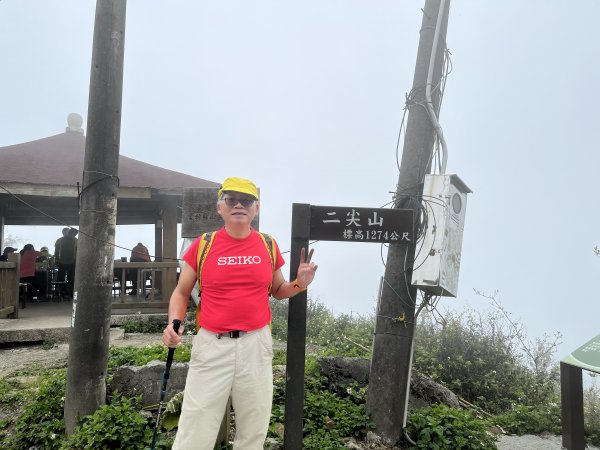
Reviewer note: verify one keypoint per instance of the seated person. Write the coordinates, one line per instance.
(7, 251)
(27, 267)
(42, 263)
(43, 260)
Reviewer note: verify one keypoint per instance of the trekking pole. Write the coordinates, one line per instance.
(165, 380)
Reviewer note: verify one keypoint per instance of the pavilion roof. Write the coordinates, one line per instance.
(58, 160)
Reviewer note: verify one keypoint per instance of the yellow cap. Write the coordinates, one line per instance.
(241, 185)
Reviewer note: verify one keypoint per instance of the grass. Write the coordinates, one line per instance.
(502, 378)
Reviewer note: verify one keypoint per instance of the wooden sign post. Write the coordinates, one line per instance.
(327, 223)
(571, 391)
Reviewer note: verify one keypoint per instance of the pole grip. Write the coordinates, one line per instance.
(176, 324)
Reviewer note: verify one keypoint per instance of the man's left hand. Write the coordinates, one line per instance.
(306, 269)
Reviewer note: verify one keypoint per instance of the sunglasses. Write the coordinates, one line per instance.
(232, 201)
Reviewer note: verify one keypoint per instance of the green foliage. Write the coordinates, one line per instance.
(49, 344)
(279, 357)
(327, 417)
(279, 315)
(474, 356)
(41, 421)
(115, 426)
(591, 405)
(342, 334)
(4, 426)
(12, 396)
(338, 334)
(322, 439)
(170, 418)
(138, 326)
(312, 370)
(441, 427)
(523, 419)
(341, 416)
(121, 356)
(479, 360)
(11, 391)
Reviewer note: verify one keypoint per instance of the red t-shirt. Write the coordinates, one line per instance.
(236, 276)
(27, 267)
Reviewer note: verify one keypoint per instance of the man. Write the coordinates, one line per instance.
(43, 260)
(65, 252)
(65, 233)
(232, 352)
(6, 252)
(42, 263)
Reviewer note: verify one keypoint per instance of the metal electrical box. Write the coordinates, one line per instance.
(437, 257)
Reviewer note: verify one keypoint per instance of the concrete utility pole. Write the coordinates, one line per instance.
(90, 325)
(389, 380)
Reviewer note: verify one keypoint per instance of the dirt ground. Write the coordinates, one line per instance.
(50, 355)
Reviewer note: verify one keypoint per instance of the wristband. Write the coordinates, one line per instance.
(297, 286)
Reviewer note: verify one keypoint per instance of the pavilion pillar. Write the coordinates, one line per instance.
(158, 240)
(158, 249)
(169, 242)
(1, 232)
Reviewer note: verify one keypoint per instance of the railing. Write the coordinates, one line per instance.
(155, 283)
(9, 287)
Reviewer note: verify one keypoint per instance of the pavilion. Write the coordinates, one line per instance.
(40, 181)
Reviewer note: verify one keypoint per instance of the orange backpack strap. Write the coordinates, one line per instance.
(206, 240)
(270, 244)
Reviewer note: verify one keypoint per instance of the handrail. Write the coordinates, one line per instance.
(141, 269)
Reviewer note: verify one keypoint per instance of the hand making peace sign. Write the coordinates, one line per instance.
(306, 269)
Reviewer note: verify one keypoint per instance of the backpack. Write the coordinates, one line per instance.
(206, 240)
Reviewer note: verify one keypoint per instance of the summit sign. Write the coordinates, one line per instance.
(352, 224)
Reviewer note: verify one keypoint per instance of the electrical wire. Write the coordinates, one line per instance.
(428, 254)
(406, 283)
(289, 251)
(402, 127)
(427, 215)
(59, 222)
(441, 86)
(422, 218)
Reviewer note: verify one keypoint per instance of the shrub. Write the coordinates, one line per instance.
(115, 426)
(322, 439)
(138, 326)
(121, 356)
(342, 334)
(480, 361)
(279, 316)
(523, 419)
(591, 404)
(11, 392)
(441, 427)
(323, 410)
(41, 421)
(327, 417)
(279, 357)
(12, 396)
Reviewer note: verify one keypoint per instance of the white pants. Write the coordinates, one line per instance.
(240, 367)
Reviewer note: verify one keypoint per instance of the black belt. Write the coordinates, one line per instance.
(231, 334)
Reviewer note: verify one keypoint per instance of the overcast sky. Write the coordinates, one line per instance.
(305, 98)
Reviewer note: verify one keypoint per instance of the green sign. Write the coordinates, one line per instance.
(587, 356)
